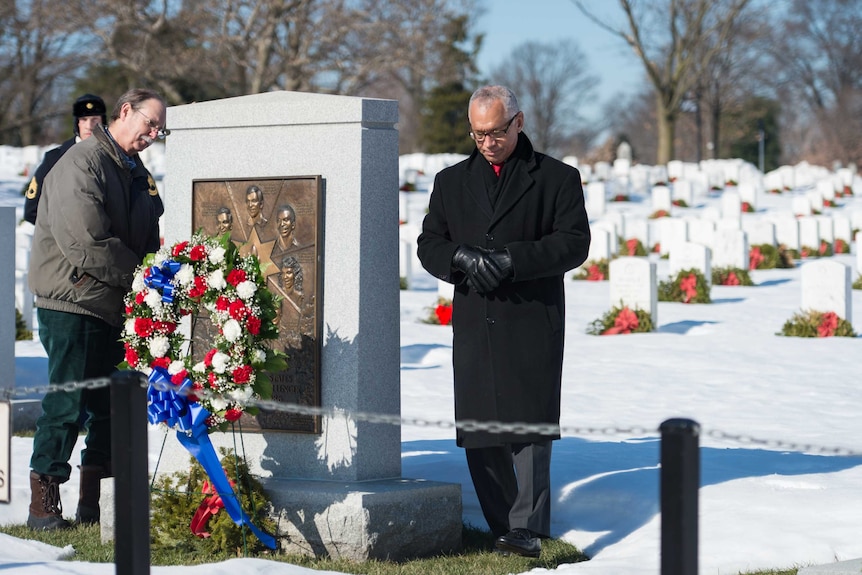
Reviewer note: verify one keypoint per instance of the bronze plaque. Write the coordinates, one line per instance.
(280, 221)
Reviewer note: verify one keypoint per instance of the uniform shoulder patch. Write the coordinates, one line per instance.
(32, 189)
(154, 191)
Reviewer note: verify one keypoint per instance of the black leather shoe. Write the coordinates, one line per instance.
(521, 542)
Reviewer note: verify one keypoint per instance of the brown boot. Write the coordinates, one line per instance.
(46, 511)
(88, 501)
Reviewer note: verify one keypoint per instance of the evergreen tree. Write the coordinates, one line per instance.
(743, 136)
(444, 120)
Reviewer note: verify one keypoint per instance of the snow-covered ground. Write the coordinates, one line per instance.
(778, 417)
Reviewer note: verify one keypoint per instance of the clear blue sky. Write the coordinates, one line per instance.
(508, 23)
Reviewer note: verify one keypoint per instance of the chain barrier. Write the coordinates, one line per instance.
(466, 425)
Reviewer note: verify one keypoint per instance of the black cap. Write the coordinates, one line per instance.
(89, 105)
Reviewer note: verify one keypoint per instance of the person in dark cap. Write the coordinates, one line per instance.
(87, 112)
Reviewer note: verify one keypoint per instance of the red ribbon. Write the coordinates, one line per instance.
(207, 509)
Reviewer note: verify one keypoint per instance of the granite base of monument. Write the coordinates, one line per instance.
(392, 519)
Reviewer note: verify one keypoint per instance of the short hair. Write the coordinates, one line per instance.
(289, 209)
(254, 190)
(501, 93)
(293, 263)
(224, 210)
(136, 97)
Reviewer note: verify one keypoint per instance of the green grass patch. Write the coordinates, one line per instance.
(477, 556)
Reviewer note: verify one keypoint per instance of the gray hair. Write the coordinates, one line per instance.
(501, 93)
(136, 97)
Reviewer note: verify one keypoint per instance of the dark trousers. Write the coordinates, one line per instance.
(513, 484)
(79, 347)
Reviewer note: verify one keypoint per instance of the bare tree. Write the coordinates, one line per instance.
(671, 57)
(817, 50)
(552, 84)
(40, 51)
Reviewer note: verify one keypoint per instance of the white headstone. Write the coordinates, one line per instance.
(731, 206)
(633, 284)
(595, 201)
(826, 286)
(787, 232)
(809, 233)
(731, 250)
(638, 228)
(748, 194)
(661, 199)
(826, 189)
(675, 170)
(842, 230)
(672, 233)
(826, 228)
(682, 190)
(691, 256)
(622, 166)
(600, 245)
(701, 231)
(801, 205)
(759, 232)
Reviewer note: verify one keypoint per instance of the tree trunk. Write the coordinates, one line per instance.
(666, 120)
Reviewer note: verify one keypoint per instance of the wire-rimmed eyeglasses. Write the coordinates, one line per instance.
(161, 133)
(497, 134)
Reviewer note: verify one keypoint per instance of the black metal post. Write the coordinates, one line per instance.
(131, 485)
(680, 480)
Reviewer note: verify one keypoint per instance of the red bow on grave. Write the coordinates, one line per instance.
(207, 509)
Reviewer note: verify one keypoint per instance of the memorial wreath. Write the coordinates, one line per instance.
(204, 275)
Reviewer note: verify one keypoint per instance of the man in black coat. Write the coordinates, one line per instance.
(504, 226)
(87, 112)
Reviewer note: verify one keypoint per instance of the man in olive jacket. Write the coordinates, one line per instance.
(504, 226)
(96, 223)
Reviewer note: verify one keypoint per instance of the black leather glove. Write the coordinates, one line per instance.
(503, 261)
(482, 273)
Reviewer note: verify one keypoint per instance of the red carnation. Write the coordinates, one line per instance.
(198, 253)
(178, 249)
(128, 309)
(242, 374)
(444, 314)
(132, 357)
(208, 358)
(236, 277)
(237, 310)
(211, 378)
(232, 414)
(178, 378)
(161, 362)
(144, 326)
(139, 297)
(222, 303)
(199, 288)
(253, 325)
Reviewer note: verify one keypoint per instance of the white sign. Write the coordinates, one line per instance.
(5, 451)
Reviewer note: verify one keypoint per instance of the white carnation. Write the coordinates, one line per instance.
(216, 256)
(185, 275)
(258, 356)
(216, 279)
(220, 362)
(159, 346)
(241, 394)
(175, 367)
(153, 299)
(231, 330)
(160, 258)
(246, 289)
(129, 326)
(199, 367)
(218, 403)
(138, 282)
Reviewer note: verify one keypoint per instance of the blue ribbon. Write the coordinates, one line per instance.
(169, 403)
(161, 279)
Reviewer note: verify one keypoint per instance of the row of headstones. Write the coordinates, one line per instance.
(826, 284)
(729, 239)
(687, 193)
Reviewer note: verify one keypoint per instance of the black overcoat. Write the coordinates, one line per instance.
(508, 344)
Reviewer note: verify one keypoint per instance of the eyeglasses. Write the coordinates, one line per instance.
(161, 133)
(495, 135)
